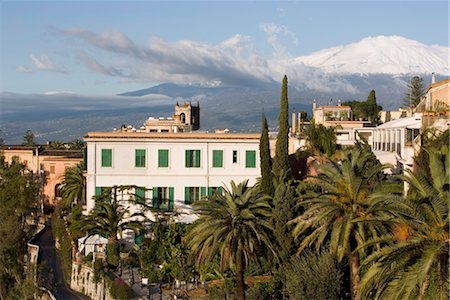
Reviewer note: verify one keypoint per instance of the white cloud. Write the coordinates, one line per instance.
(93, 65)
(230, 62)
(274, 33)
(43, 62)
(23, 69)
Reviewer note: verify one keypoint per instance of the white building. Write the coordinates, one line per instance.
(171, 169)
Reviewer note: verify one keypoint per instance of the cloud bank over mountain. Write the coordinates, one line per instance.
(234, 62)
(233, 83)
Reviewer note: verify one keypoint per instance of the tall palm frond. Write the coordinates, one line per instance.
(416, 266)
(234, 226)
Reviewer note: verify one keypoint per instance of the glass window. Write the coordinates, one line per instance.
(106, 157)
(250, 159)
(192, 158)
(217, 158)
(235, 156)
(191, 194)
(139, 158)
(163, 158)
(163, 198)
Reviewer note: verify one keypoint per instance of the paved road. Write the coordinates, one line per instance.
(51, 274)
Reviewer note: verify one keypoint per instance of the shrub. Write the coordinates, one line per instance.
(313, 276)
(120, 290)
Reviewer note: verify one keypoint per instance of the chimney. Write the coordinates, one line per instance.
(294, 123)
(433, 78)
(314, 104)
(339, 102)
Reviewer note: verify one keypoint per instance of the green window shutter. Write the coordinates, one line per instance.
(106, 157)
(197, 158)
(155, 202)
(138, 238)
(170, 198)
(98, 190)
(188, 158)
(140, 195)
(187, 195)
(210, 191)
(163, 158)
(217, 158)
(219, 190)
(202, 192)
(139, 158)
(250, 159)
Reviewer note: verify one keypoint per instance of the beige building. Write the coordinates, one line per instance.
(186, 118)
(49, 164)
(437, 97)
(335, 115)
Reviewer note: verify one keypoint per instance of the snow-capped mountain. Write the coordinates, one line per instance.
(380, 54)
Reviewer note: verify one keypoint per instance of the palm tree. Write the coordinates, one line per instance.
(74, 185)
(234, 226)
(414, 261)
(110, 218)
(350, 208)
(76, 144)
(321, 139)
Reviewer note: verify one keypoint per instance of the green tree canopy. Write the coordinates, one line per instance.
(281, 161)
(28, 138)
(74, 186)
(234, 226)
(413, 262)
(415, 92)
(266, 159)
(110, 218)
(351, 207)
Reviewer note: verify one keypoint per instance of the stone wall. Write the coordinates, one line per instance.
(82, 280)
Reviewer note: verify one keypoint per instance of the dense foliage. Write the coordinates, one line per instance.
(414, 93)
(281, 160)
(234, 226)
(18, 202)
(265, 160)
(365, 110)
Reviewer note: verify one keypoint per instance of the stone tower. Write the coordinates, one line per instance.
(188, 114)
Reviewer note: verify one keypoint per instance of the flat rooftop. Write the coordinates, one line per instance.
(166, 135)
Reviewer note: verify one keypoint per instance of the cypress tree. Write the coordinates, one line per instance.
(281, 162)
(266, 160)
(372, 108)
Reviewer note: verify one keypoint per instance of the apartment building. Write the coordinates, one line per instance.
(169, 170)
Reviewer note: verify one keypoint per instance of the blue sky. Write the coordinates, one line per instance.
(110, 47)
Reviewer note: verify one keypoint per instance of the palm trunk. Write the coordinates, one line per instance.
(423, 289)
(355, 280)
(240, 284)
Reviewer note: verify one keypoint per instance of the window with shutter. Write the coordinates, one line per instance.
(139, 158)
(250, 159)
(217, 158)
(106, 157)
(163, 158)
(192, 159)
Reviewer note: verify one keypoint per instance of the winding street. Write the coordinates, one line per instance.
(50, 274)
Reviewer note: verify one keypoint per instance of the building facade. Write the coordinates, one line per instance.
(169, 170)
(49, 165)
